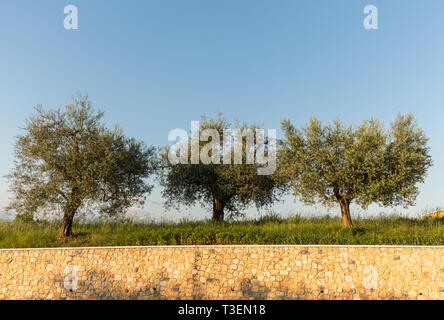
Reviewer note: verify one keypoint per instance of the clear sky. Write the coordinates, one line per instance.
(156, 65)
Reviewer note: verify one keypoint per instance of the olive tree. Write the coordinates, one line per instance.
(218, 178)
(362, 164)
(68, 160)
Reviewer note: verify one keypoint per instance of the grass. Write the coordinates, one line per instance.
(268, 230)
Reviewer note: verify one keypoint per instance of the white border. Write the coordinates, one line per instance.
(229, 246)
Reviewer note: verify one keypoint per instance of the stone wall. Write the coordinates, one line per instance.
(224, 272)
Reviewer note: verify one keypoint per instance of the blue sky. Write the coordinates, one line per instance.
(156, 65)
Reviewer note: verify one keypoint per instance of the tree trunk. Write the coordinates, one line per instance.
(218, 210)
(345, 210)
(66, 230)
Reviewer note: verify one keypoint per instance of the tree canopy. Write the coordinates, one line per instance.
(363, 164)
(68, 160)
(227, 186)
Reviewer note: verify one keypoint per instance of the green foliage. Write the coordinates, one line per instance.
(67, 160)
(26, 217)
(391, 230)
(228, 187)
(362, 164)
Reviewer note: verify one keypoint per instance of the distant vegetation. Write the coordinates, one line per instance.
(266, 230)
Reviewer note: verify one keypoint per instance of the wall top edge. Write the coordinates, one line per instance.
(225, 246)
